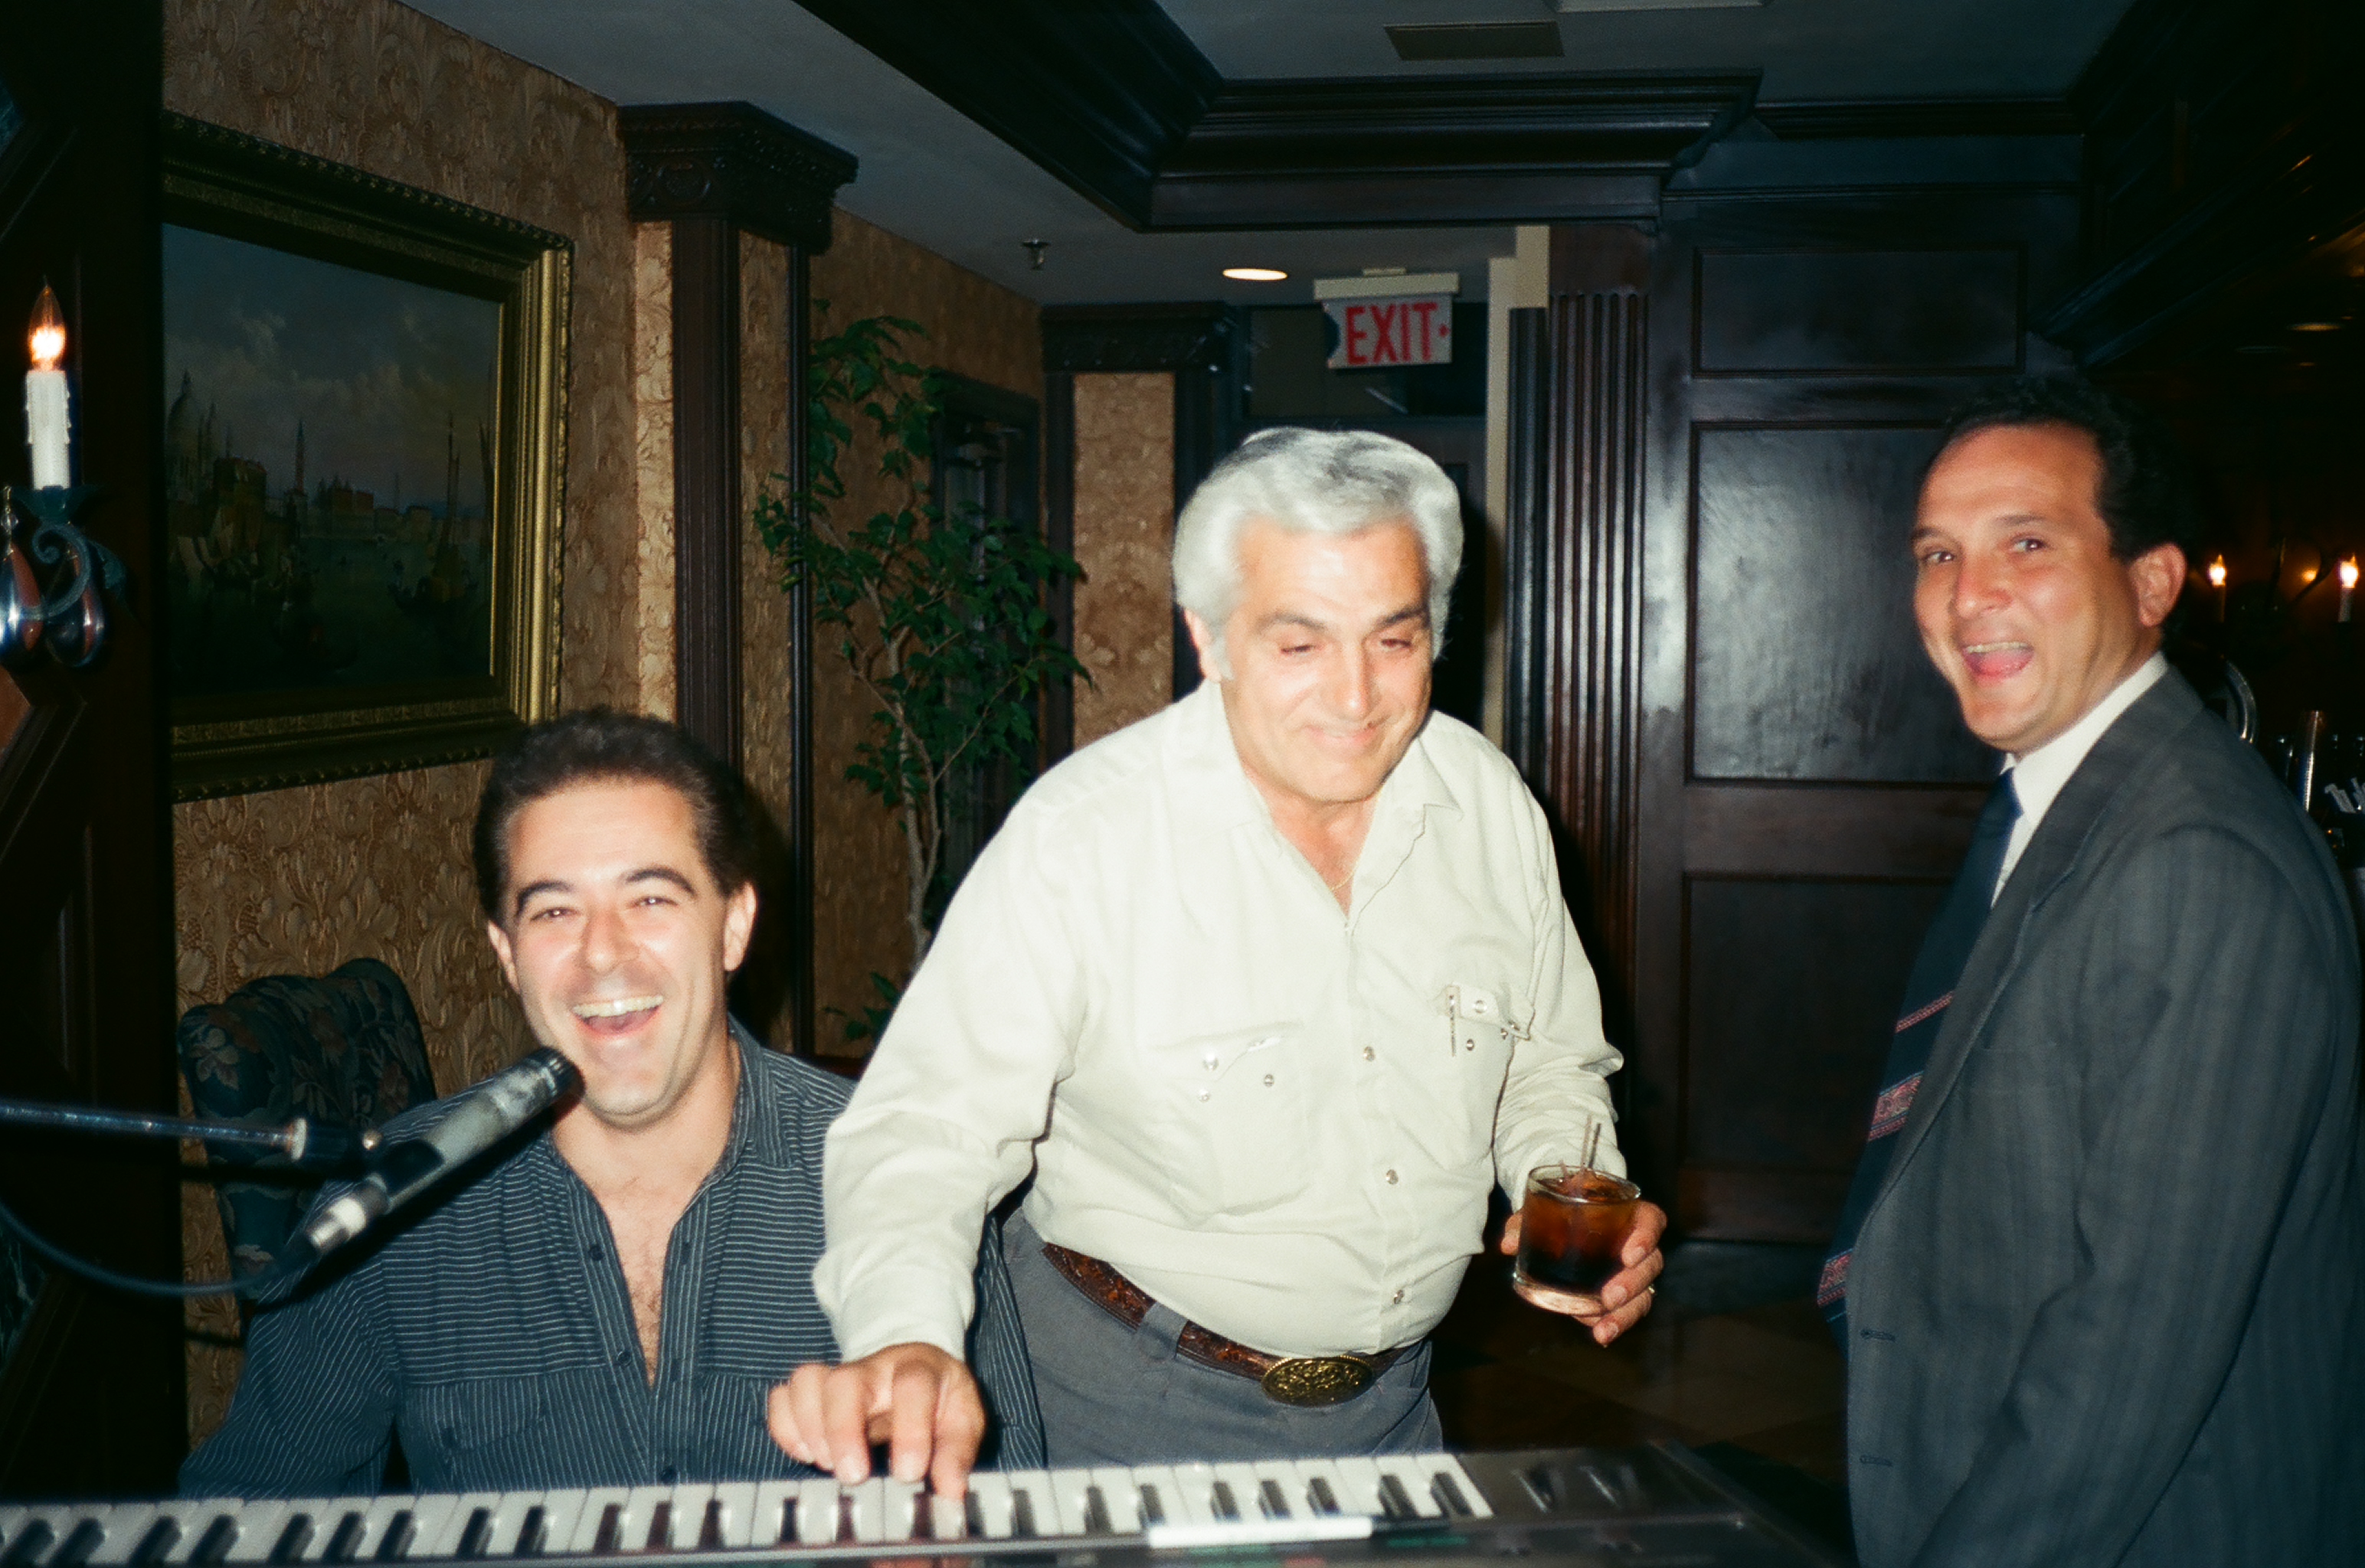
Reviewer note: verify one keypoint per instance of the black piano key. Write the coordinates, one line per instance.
(787, 1535)
(476, 1534)
(400, 1531)
(35, 1538)
(533, 1533)
(973, 1515)
(345, 1541)
(1394, 1501)
(1271, 1500)
(1325, 1501)
(162, 1536)
(1096, 1514)
(846, 1516)
(1449, 1496)
(612, 1530)
(1022, 1512)
(292, 1542)
(1222, 1503)
(82, 1540)
(1153, 1507)
(710, 1528)
(660, 1529)
(213, 1547)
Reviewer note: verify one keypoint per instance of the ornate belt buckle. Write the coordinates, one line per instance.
(1312, 1382)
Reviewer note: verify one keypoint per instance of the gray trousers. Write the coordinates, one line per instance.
(1116, 1395)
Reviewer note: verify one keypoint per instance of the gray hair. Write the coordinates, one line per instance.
(1329, 482)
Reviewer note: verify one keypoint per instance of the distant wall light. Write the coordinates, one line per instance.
(1256, 274)
(2315, 325)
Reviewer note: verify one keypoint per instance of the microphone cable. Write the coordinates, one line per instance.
(291, 1264)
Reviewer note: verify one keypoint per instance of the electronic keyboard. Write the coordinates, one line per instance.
(1655, 1505)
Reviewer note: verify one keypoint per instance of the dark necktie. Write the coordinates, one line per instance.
(1936, 967)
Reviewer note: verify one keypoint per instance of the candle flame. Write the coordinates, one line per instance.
(2347, 572)
(48, 337)
(2217, 572)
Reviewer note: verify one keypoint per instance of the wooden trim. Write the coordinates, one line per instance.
(1747, 1203)
(1828, 120)
(1060, 533)
(1909, 832)
(732, 162)
(706, 481)
(803, 1023)
(1526, 623)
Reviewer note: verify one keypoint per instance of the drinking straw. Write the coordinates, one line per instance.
(1592, 1145)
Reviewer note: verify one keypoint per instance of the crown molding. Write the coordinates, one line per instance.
(1871, 119)
(1114, 100)
(733, 162)
(1132, 339)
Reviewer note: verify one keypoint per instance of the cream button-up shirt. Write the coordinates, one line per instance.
(1279, 1120)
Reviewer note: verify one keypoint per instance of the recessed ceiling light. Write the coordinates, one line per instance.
(2260, 348)
(2315, 325)
(1256, 274)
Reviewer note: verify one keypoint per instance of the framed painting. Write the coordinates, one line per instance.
(363, 455)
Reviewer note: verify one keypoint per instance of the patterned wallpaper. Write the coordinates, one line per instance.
(763, 608)
(653, 461)
(1124, 535)
(302, 880)
(981, 330)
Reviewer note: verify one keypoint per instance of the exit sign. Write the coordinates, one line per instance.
(1372, 334)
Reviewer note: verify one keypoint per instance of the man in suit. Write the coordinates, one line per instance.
(2102, 1276)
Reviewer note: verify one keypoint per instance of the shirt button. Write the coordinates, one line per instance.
(591, 1253)
(1398, 1299)
(623, 1358)
(1369, 1054)
(1202, 1094)
(1208, 1061)
(1392, 1178)
(1268, 1080)
(667, 1475)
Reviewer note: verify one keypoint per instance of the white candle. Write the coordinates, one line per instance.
(48, 423)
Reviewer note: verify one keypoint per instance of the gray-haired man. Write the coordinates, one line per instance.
(1265, 992)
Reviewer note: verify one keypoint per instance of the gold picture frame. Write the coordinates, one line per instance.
(325, 631)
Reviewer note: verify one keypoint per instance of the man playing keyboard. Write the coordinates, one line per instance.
(1266, 993)
(608, 1299)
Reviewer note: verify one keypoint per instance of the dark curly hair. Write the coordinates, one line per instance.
(601, 745)
(2146, 495)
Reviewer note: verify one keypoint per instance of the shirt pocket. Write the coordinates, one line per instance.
(1238, 1107)
(478, 1435)
(1461, 1067)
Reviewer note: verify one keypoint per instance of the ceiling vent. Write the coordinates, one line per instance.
(1477, 40)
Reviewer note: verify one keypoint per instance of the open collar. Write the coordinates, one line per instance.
(1211, 791)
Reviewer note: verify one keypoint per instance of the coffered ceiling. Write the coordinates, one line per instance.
(1151, 146)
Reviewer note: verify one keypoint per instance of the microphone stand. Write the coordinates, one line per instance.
(304, 1145)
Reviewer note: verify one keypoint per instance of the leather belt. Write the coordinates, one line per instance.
(1308, 1381)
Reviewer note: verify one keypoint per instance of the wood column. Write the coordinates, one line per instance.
(714, 172)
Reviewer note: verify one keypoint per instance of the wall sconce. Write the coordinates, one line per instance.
(71, 621)
(2217, 581)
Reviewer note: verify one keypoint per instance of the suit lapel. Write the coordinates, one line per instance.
(2125, 754)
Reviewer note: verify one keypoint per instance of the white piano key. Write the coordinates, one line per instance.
(1240, 1479)
(259, 1524)
(1031, 1502)
(595, 1506)
(377, 1514)
(1435, 1464)
(817, 1512)
(867, 1510)
(947, 1517)
(1308, 1472)
(449, 1535)
(506, 1517)
(993, 1493)
(198, 1522)
(35, 1532)
(899, 1507)
(560, 1512)
(1069, 1500)
(640, 1517)
(1158, 1480)
(686, 1516)
(773, 1516)
(12, 1515)
(1121, 1495)
(68, 1522)
(430, 1512)
(1194, 1491)
(737, 1512)
(1358, 1480)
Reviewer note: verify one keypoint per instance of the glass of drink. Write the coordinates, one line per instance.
(1572, 1228)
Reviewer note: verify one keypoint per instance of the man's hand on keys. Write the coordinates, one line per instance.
(920, 1402)
(1626, 1297)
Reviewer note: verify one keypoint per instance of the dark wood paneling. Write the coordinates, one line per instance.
(735, 162)
(92, 1402)
(1060, 533)
(706, 481)
(1785, 830)
(1803, 312)
(795, 903)
(1806, 660)
(1791, 1005)
(1525, 613)
(1824, 120)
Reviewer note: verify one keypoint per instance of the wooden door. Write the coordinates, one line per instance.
(1766, 787)
(91, 1392)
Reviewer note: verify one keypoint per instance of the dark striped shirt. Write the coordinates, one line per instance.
(493, 1330)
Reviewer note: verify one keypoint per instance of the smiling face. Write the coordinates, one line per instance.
(620, 945)
(1329, 649)
(2022, 606)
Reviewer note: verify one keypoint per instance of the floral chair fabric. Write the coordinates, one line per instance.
(343, 1049)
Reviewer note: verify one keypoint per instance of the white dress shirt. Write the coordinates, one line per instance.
(2039, 777)
(1278, 1119)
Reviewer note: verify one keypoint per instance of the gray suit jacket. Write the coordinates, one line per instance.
(2109, 1304)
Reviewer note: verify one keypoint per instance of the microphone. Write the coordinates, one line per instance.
(400, 1170)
